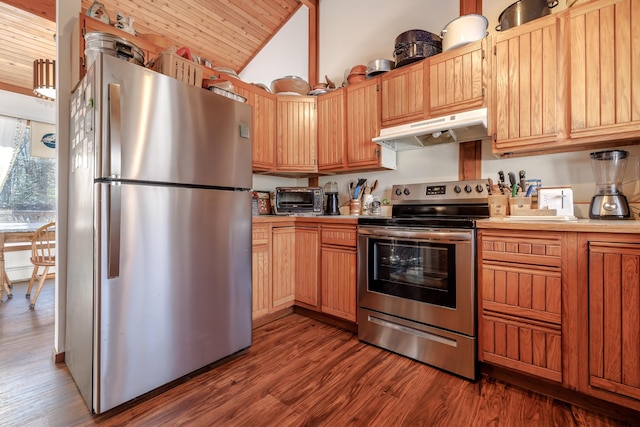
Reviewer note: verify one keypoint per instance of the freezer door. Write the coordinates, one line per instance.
(156, 128)
(174, 285)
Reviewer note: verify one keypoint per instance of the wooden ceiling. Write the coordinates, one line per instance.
(227, 32)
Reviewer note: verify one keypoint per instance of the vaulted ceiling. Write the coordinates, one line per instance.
(227, 32)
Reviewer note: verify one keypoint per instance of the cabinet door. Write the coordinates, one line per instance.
(604, 70)
(261, 271)
(331, 131)
(614, 318)
(533, 348)
(306, 266)
(264, 132)
(296, 141)
(525, 78)
(457, 80)
(264, 125)
(339, 282)
(283, 266)
(363, 124)
(402, 95)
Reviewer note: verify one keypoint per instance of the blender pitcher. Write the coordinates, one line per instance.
(608, 170)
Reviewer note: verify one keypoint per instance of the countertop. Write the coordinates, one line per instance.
(579, 225)
(324, 219)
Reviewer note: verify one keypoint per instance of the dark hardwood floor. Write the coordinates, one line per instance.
(299, 372)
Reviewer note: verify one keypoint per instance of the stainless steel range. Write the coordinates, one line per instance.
(417, 274)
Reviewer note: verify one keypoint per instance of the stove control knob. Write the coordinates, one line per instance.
(406, 192)
(479, 188)
(398, 192)
(457, 189)
(467, 188)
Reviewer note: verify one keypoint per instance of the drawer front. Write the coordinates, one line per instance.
(521, 291)
(260, 234)
(527, 347)
(522, 248)
(339, 235)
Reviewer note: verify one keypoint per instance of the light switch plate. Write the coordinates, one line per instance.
(560, 198)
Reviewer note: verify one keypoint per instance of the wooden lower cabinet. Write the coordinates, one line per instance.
(520, 294)
(610, 304)
(338, 272)
(307, 244)
(309, 264)
(283, 268)
(261, 270)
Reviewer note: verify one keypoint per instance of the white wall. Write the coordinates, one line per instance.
(285, 55)
(357, 31)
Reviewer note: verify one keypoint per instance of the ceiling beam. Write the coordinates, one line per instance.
(42, 8)
(313, 40)
(470, 153)
(17, 89)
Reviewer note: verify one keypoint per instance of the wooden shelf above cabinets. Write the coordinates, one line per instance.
(89, 24)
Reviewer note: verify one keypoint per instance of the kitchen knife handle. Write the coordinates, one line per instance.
(115, 131)
(113, 229)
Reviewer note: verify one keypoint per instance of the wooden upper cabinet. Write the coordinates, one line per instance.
(457, 79)
(363, 124)
(526, 78)
(332, 154)
(296, 134)
(604, 63)
(264, 131)
(403, 94)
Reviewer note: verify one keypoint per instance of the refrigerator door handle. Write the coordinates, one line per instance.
(115, 131)
(113, 229)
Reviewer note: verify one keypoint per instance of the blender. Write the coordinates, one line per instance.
(333, 205)
(608, 170)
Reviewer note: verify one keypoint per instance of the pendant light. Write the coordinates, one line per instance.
(44, 78)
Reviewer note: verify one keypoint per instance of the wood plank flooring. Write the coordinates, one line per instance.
(299, 372)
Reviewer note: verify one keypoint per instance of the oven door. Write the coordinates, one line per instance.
(419, 274)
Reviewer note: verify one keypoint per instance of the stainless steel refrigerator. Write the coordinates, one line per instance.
(159, 243)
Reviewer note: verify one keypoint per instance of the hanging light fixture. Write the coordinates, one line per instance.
(44, 78)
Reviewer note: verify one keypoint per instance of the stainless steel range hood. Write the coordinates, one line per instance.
(460, 127)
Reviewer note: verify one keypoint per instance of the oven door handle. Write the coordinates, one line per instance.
(417, 234)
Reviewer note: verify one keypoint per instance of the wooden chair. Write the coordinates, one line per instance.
(42, 255)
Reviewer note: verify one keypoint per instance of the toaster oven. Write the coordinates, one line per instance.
(298, 201)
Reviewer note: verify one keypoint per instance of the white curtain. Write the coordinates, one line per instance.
(12, 132)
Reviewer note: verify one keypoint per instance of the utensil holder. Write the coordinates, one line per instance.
(355, 207)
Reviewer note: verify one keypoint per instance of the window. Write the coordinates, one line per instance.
(27, 184)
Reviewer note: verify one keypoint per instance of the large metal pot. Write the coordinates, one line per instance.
(96, 42)
(378, 66)
(524, 11)
(463, 30)
(414, 45)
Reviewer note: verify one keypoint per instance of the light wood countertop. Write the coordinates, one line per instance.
(320, 219)
(580, 225)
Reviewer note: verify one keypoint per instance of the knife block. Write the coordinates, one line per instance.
(498, 205)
